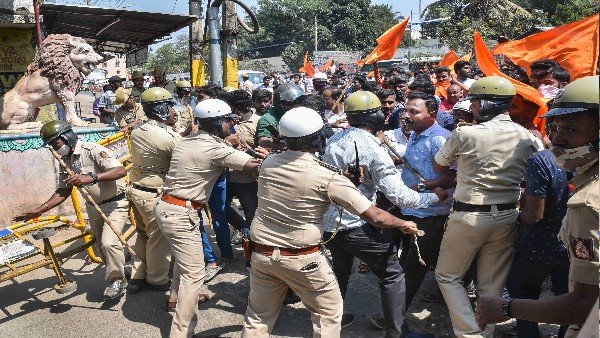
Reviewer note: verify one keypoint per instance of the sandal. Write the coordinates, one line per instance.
(363, 267)
(172, 304)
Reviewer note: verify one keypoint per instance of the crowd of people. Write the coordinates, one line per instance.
(440, 169)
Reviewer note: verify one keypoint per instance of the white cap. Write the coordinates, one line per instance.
(298, 122)
(462, 105)
(211, 108)
(320, 76)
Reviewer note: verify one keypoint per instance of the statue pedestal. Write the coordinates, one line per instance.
(29, 172)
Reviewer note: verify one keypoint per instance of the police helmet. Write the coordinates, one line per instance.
(496, 94)
(578, 96)
(183, 84)
(303, 129)
(52, 130)
(156, 102)
(288, 92)
(122, 95)
(363, 108)
(210, 114)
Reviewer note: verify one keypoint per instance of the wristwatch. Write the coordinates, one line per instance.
(94, 177)
(506, 308)
(421, 187)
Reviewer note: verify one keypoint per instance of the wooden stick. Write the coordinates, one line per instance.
(86, 194)
(408, 166)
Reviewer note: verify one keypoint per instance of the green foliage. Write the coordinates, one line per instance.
(173, 56)
(491, 18)
(350, 25)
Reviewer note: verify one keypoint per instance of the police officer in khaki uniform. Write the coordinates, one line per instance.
(197, 162)
(183, 108)
(102, 174)
(130, 113)
(491, 158)
(160, 80)
(573, 129)
(138, 85)
(152, 146)
(295, 190)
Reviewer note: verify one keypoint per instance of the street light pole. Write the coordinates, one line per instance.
(316, 34)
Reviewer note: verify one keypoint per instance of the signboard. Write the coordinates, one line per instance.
(136, 58)
(16, 52)
(347, 58)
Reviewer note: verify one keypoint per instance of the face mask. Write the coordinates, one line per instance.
(548, 92)
(64, 150)
(575, 160)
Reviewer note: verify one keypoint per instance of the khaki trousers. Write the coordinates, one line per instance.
(111, 250)
(489, 235)
(180, 227)
(150, 243)
(310, 276)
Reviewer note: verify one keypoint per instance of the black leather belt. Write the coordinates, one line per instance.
(146, 189)
(466, 207)
(113, 199)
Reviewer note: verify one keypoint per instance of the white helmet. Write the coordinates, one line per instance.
(320, 76)
(462, 105)
(299, 122)
(211, 108)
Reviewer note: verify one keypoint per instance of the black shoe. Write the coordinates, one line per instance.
(159, 287)
(291, 298)
(347, 320)
(135, 286)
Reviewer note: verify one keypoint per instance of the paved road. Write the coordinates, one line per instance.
(30, 308)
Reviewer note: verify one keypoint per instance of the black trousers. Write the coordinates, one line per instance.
(429, 244)
(247, 194)
(372, 247)
(530, 266)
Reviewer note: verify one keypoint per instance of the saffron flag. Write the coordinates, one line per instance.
(387, 44)
(488, 66)
(326, 66)
(574, 46)
(307, 68)
(449, 59)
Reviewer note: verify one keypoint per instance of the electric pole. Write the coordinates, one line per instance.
(229, 45)
(196, 41)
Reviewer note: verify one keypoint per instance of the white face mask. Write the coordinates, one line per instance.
(575, 160)
(64, 150)
(548, 92)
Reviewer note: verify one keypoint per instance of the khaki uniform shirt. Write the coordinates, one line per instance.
(579, 226)
(246, 131)
(92, 157)
(185, 116)
(137, 92)
(125, 116)
(197, 163)
(152, 145)
(294, 192)
(491, 160)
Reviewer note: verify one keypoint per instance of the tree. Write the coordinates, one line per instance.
(455, 20)
(350, 25)
(173, 56)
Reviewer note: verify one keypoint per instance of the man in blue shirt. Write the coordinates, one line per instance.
(538, 252)
(426, 139)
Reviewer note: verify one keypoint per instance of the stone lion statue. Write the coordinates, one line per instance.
(56, 73)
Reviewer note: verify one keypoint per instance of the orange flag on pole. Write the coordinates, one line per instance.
(326, 66)
(387, 44)
(488, 66)
(307, 68)
(574, 46)
(449, 59)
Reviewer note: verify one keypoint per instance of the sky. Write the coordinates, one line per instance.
(403, 7)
